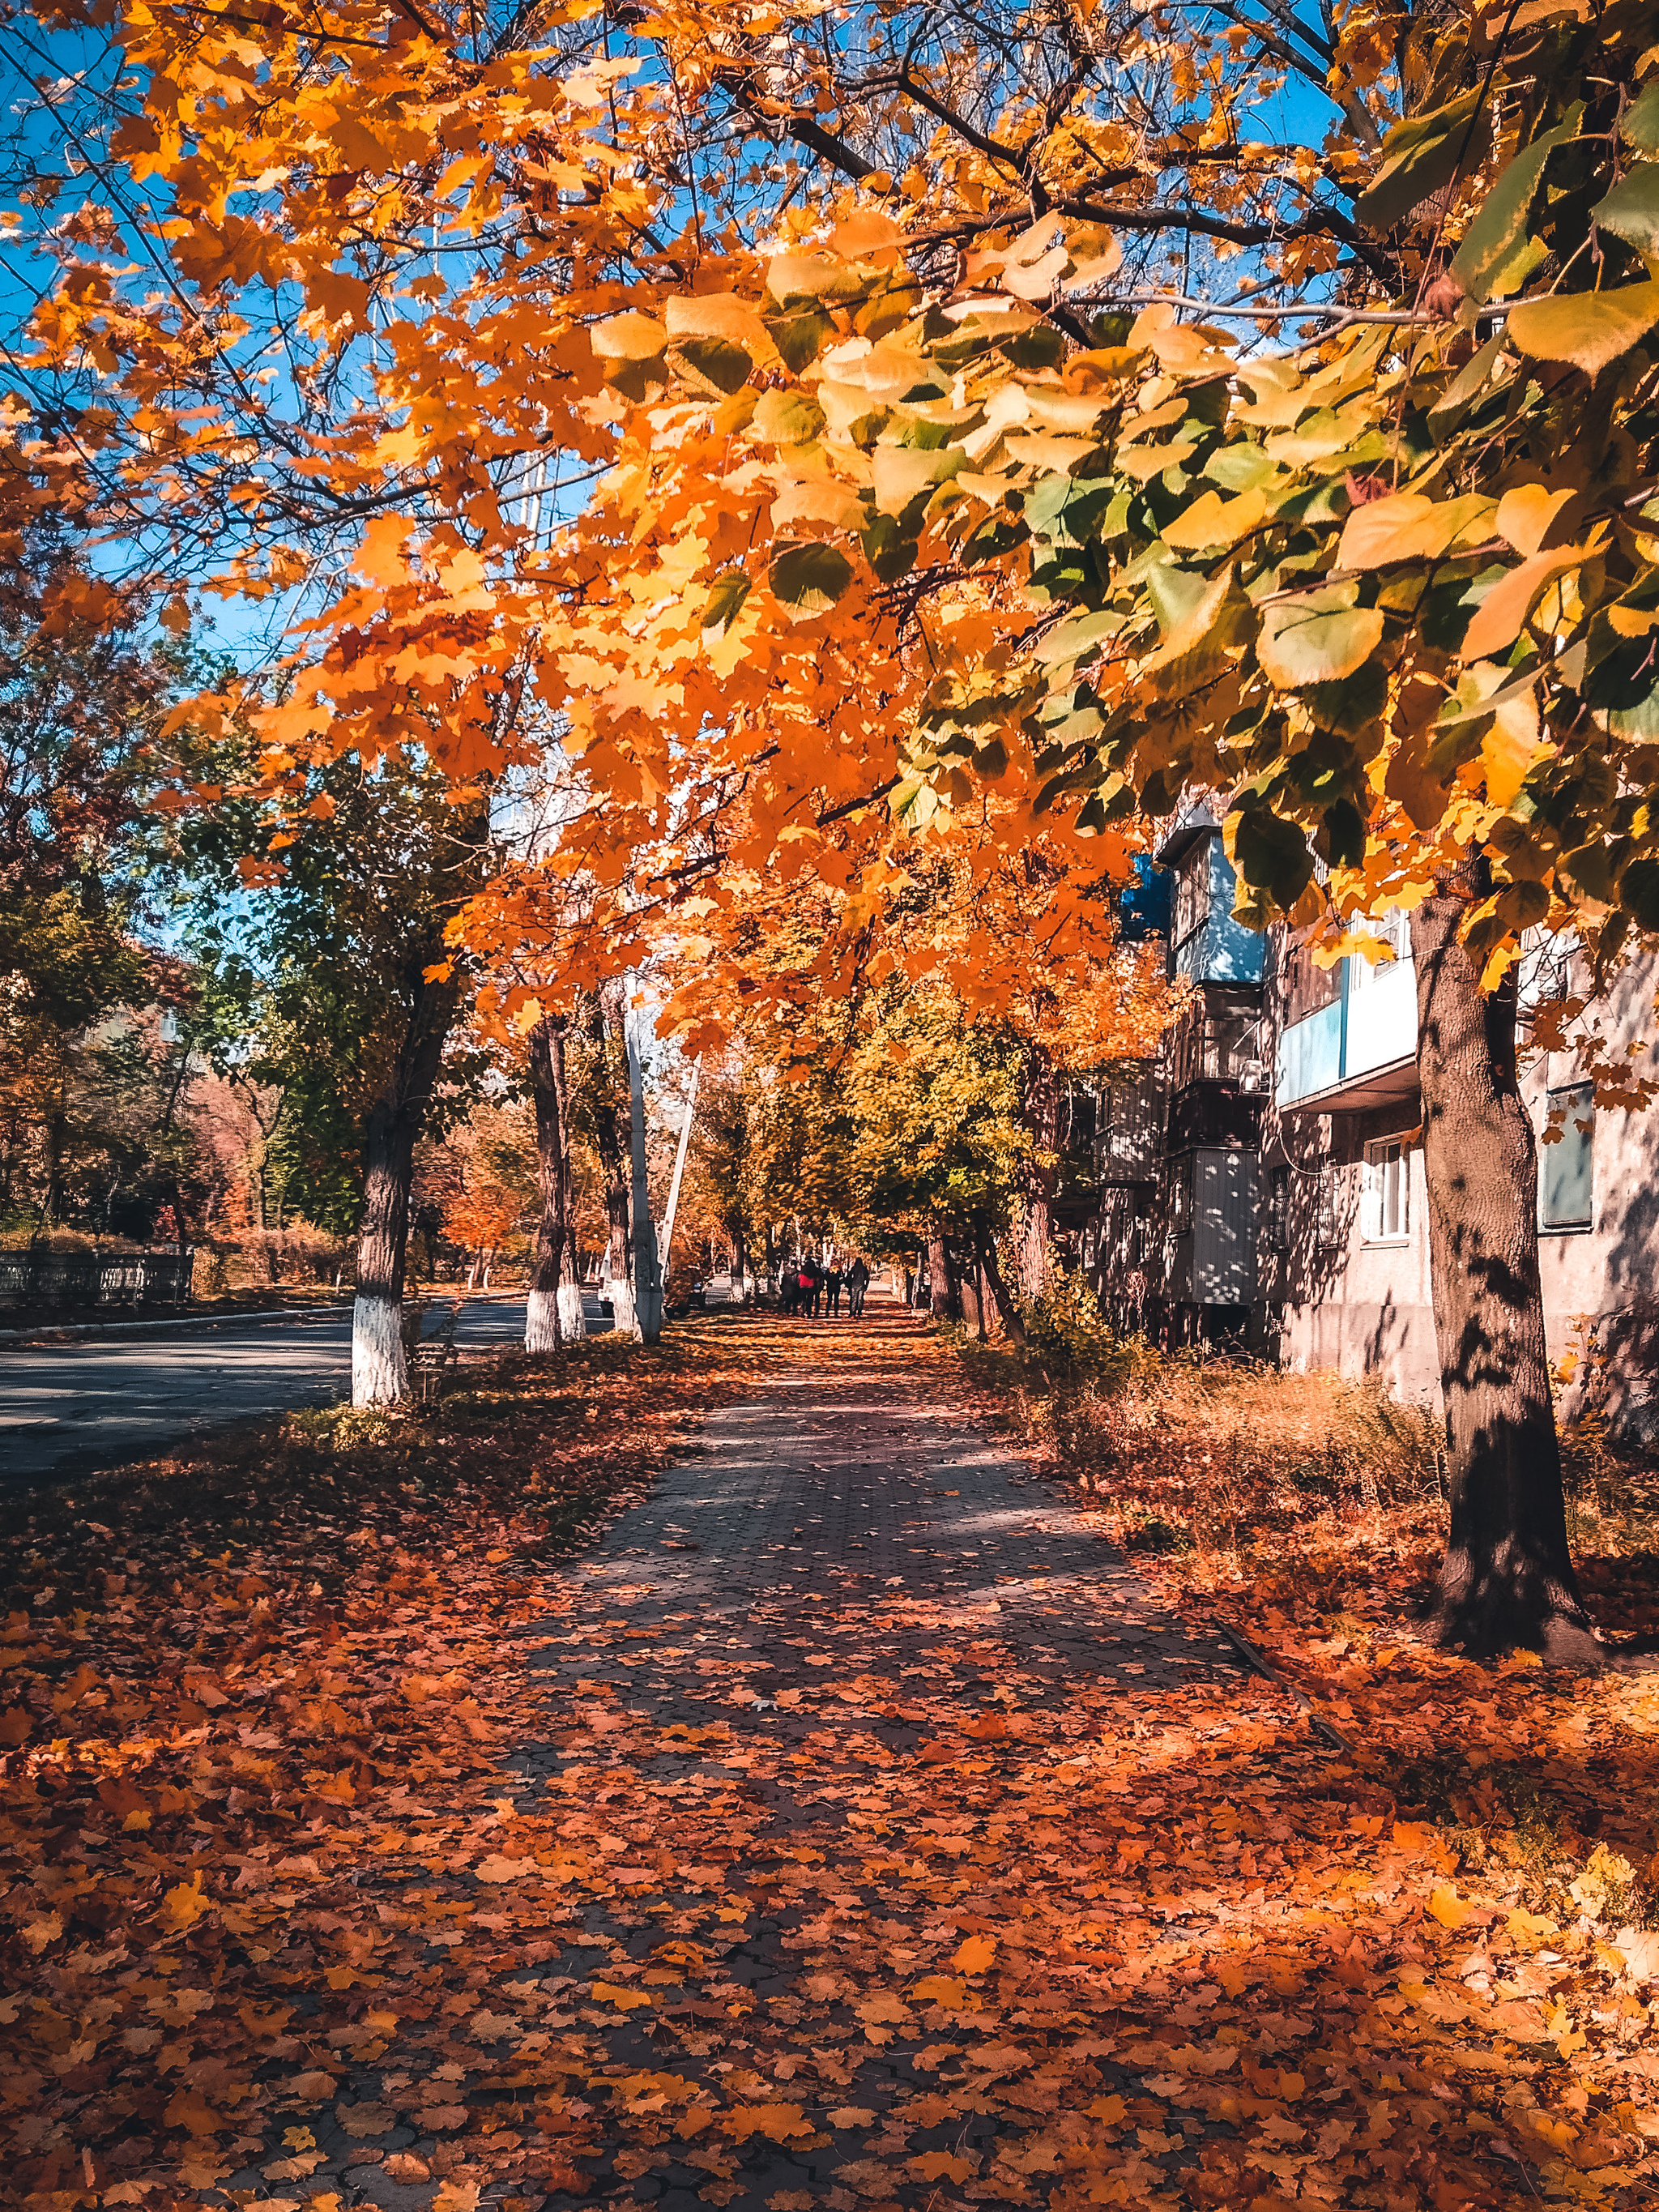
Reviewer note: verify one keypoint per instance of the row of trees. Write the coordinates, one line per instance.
(786, 468)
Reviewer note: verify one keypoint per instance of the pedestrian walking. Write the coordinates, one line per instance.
(808, 1280)
(832, 1284)
(858, 1282)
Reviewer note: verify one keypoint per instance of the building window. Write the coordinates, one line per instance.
(1278, 1210)
(1330, 1214)
(1395, 930)
(1567, 1168)
(1180, 1196)
(1192, 897)
(1388, 1192)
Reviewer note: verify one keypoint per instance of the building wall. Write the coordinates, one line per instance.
(1361, 1304)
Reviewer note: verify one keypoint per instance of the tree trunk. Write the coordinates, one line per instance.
(607, 1142)
(648, 1267)
(1008, 1312)
(1508, 1576)
(1040, 1112)
(938, 1280)
(379, 1375)
(543, 1312)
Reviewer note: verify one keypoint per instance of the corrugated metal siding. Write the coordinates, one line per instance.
(1224, 1228)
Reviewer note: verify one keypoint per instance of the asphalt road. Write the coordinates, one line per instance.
(68, 1409)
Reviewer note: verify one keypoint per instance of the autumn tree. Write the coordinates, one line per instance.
(1387, 590)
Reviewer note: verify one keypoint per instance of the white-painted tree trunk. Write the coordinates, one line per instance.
(379, 1373)
(622, 1306)
(573, 1321)
(541, 1322)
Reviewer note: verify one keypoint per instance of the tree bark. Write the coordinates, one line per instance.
(1040, 1112)
(542, 1314)
(647, 1268)
(1008, 1311)
(1507, 1577)
(379, 1374)
(938, 1280)
(607, 1142)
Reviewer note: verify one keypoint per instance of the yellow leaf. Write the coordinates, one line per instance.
(974, 1955)
(944, 2165)
(719, 315)
(939, 1989)
(455, 2196)
(496, 1868)
(1589, 328)
(1448, 1907)
(1405, 526)
(1498, 619)
(1524, 515)
(624, 2000)
(777, 2123)
(183, 1905)
(885, 2006)
(1212, 522)
(629, 337)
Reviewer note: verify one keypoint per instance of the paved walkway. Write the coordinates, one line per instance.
(824, 1710)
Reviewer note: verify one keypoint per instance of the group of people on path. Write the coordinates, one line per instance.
(808, 1289)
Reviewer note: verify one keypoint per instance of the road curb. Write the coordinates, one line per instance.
(78, 1331)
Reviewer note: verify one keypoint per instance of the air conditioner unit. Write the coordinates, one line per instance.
(1253, 1076)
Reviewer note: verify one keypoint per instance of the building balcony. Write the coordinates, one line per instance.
(1357, 1052)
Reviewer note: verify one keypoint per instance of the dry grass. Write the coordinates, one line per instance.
(1324, 1498)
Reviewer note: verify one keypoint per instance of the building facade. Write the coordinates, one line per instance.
(1262, 1180)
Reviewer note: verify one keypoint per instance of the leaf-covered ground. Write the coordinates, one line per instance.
(848, 1825)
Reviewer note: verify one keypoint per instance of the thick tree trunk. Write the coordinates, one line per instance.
(378, 1373)
(1008, 1311)
(1508, 1576)
(544, 1314)
(938, 1280)
(1040, 1112)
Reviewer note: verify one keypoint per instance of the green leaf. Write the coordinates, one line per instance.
(1420, 155)
(1630, 211)
(716, 361)
(1174, 593)
(1638, 893)
(1318, 637)
(1198, 643)
(1500, 224)
(725, 599)
(810, 577)
(1270, 853)
(787, 418)
(890, 548)
(1640, 127)
(1589, 328)
(799, 339)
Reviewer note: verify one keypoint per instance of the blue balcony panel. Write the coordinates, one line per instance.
(1309, 1055)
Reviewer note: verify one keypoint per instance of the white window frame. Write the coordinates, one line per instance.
(1576, 1103)
(1386, 1199)
(1394, 928)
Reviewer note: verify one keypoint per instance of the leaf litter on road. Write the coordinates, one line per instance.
(363, 1846)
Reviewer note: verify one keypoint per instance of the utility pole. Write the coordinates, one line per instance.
(648, 1267)
(666, 1235)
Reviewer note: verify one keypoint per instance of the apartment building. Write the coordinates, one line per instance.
(1263, 1182)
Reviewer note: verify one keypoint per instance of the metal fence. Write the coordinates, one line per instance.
(91, 1279)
